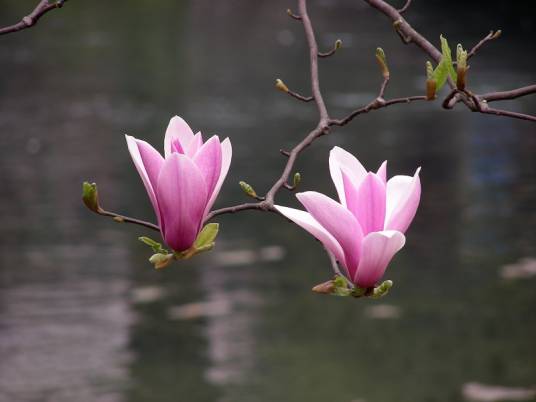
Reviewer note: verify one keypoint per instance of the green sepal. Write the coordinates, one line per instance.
(203, 242)
(341, 287)
(161, 260)
(382, 289)
(207, 235)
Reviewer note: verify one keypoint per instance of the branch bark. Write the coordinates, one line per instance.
(43, 7)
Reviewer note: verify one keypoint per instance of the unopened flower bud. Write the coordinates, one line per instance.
(338, 44)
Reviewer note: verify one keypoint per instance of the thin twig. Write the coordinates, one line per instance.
(122, 218)
(512, 94)
(292, 15)
(383, 87)
(406, 6)
(300, 97)
(321, 128)
(515, 115)
(408, 34)
(261, 206)
(374, 105)
(327, 54)
(491, 36)
(31, 19)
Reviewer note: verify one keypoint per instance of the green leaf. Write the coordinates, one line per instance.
(207, 235)
(440, 74)
(447, 58)
(157, 247)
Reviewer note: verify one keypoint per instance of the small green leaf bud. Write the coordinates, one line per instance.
(248, 189)
(297, 179)
(281, 85)
(429, 70)
(325, 288)
(90, 196)
(338, 44)
(382, 62)
(161, 260)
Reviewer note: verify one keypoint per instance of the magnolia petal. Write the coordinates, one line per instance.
(226, 155)
(343, 161)
(152, 160)
(367, 203)
(179, 130)
(377, 250)
(194, 145)
(338, 221)
(148, 163)
(403, 197)
(208, 160)
(307, 222)
(382, 171)
(182, 195)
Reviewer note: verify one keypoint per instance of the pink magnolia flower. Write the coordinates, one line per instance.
(366, 229)
(184, 185)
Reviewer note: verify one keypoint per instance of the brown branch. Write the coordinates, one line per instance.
(300, 97)
(489, 37)
(31, 19)
(321, 128)
(375, 105)
(410, 35)
(515, 115)
(292, 15)
(402, 27)
(327, 54)
(127, 219)
(406, 6)
(262, 206)
(506, 95)
(336, 46)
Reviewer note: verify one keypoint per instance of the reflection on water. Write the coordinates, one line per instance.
(84, 317)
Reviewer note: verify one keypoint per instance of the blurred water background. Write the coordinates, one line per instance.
(84, 317)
